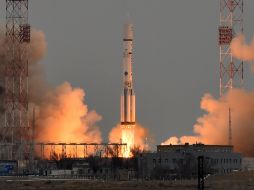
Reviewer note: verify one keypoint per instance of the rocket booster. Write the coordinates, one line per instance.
(128, 110)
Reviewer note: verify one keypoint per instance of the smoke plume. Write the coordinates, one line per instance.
(241, 50)
(61, 113)
(212, 127)
(63, 117)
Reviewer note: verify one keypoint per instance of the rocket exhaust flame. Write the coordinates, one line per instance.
(140, 135)
(128, 137)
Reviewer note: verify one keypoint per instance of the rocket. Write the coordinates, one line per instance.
(128, 110)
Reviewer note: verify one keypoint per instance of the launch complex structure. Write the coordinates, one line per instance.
(17, 122)
(231, 69)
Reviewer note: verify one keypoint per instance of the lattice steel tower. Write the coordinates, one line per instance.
(231, 24)
(231, 69)
(15, 127)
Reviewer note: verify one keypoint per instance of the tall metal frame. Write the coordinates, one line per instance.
(231, 69)
(231, 24)
(15, 127)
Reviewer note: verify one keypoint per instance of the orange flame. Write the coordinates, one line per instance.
(133, 136)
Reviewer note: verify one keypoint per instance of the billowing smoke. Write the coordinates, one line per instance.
(64, 117)
(241, 50)
(141, 135)
(213, 126)
(61, 113)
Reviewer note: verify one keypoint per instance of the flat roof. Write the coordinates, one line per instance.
(197, 145)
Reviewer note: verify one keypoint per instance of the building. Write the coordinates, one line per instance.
(8, 167)
(180, 161)
(248, 164)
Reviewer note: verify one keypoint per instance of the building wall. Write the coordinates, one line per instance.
(218, 160)
(248, 164)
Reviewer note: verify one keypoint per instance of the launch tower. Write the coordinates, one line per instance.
(15, 123)
(231, 24)
(231, 69)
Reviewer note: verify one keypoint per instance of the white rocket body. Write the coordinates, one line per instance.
(128, 105)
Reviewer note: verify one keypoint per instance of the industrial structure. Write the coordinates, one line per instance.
(15, 126)
(18, 122)
(180, 161)
(128, 104)
(231, 69)
(231, 24)
(78, 150)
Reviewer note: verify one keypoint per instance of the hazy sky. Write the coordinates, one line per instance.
(175, 55)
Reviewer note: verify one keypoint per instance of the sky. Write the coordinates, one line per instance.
(176, 56)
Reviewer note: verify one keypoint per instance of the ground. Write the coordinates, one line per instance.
(236, 181)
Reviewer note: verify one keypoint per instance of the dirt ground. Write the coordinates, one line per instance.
(236, 181)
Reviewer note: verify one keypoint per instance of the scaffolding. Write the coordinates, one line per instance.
(52, 151)
(231, 69)
(14, 126)
(231, 25)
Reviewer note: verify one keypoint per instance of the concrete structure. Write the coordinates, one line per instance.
(248, 164)
(180, 160)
